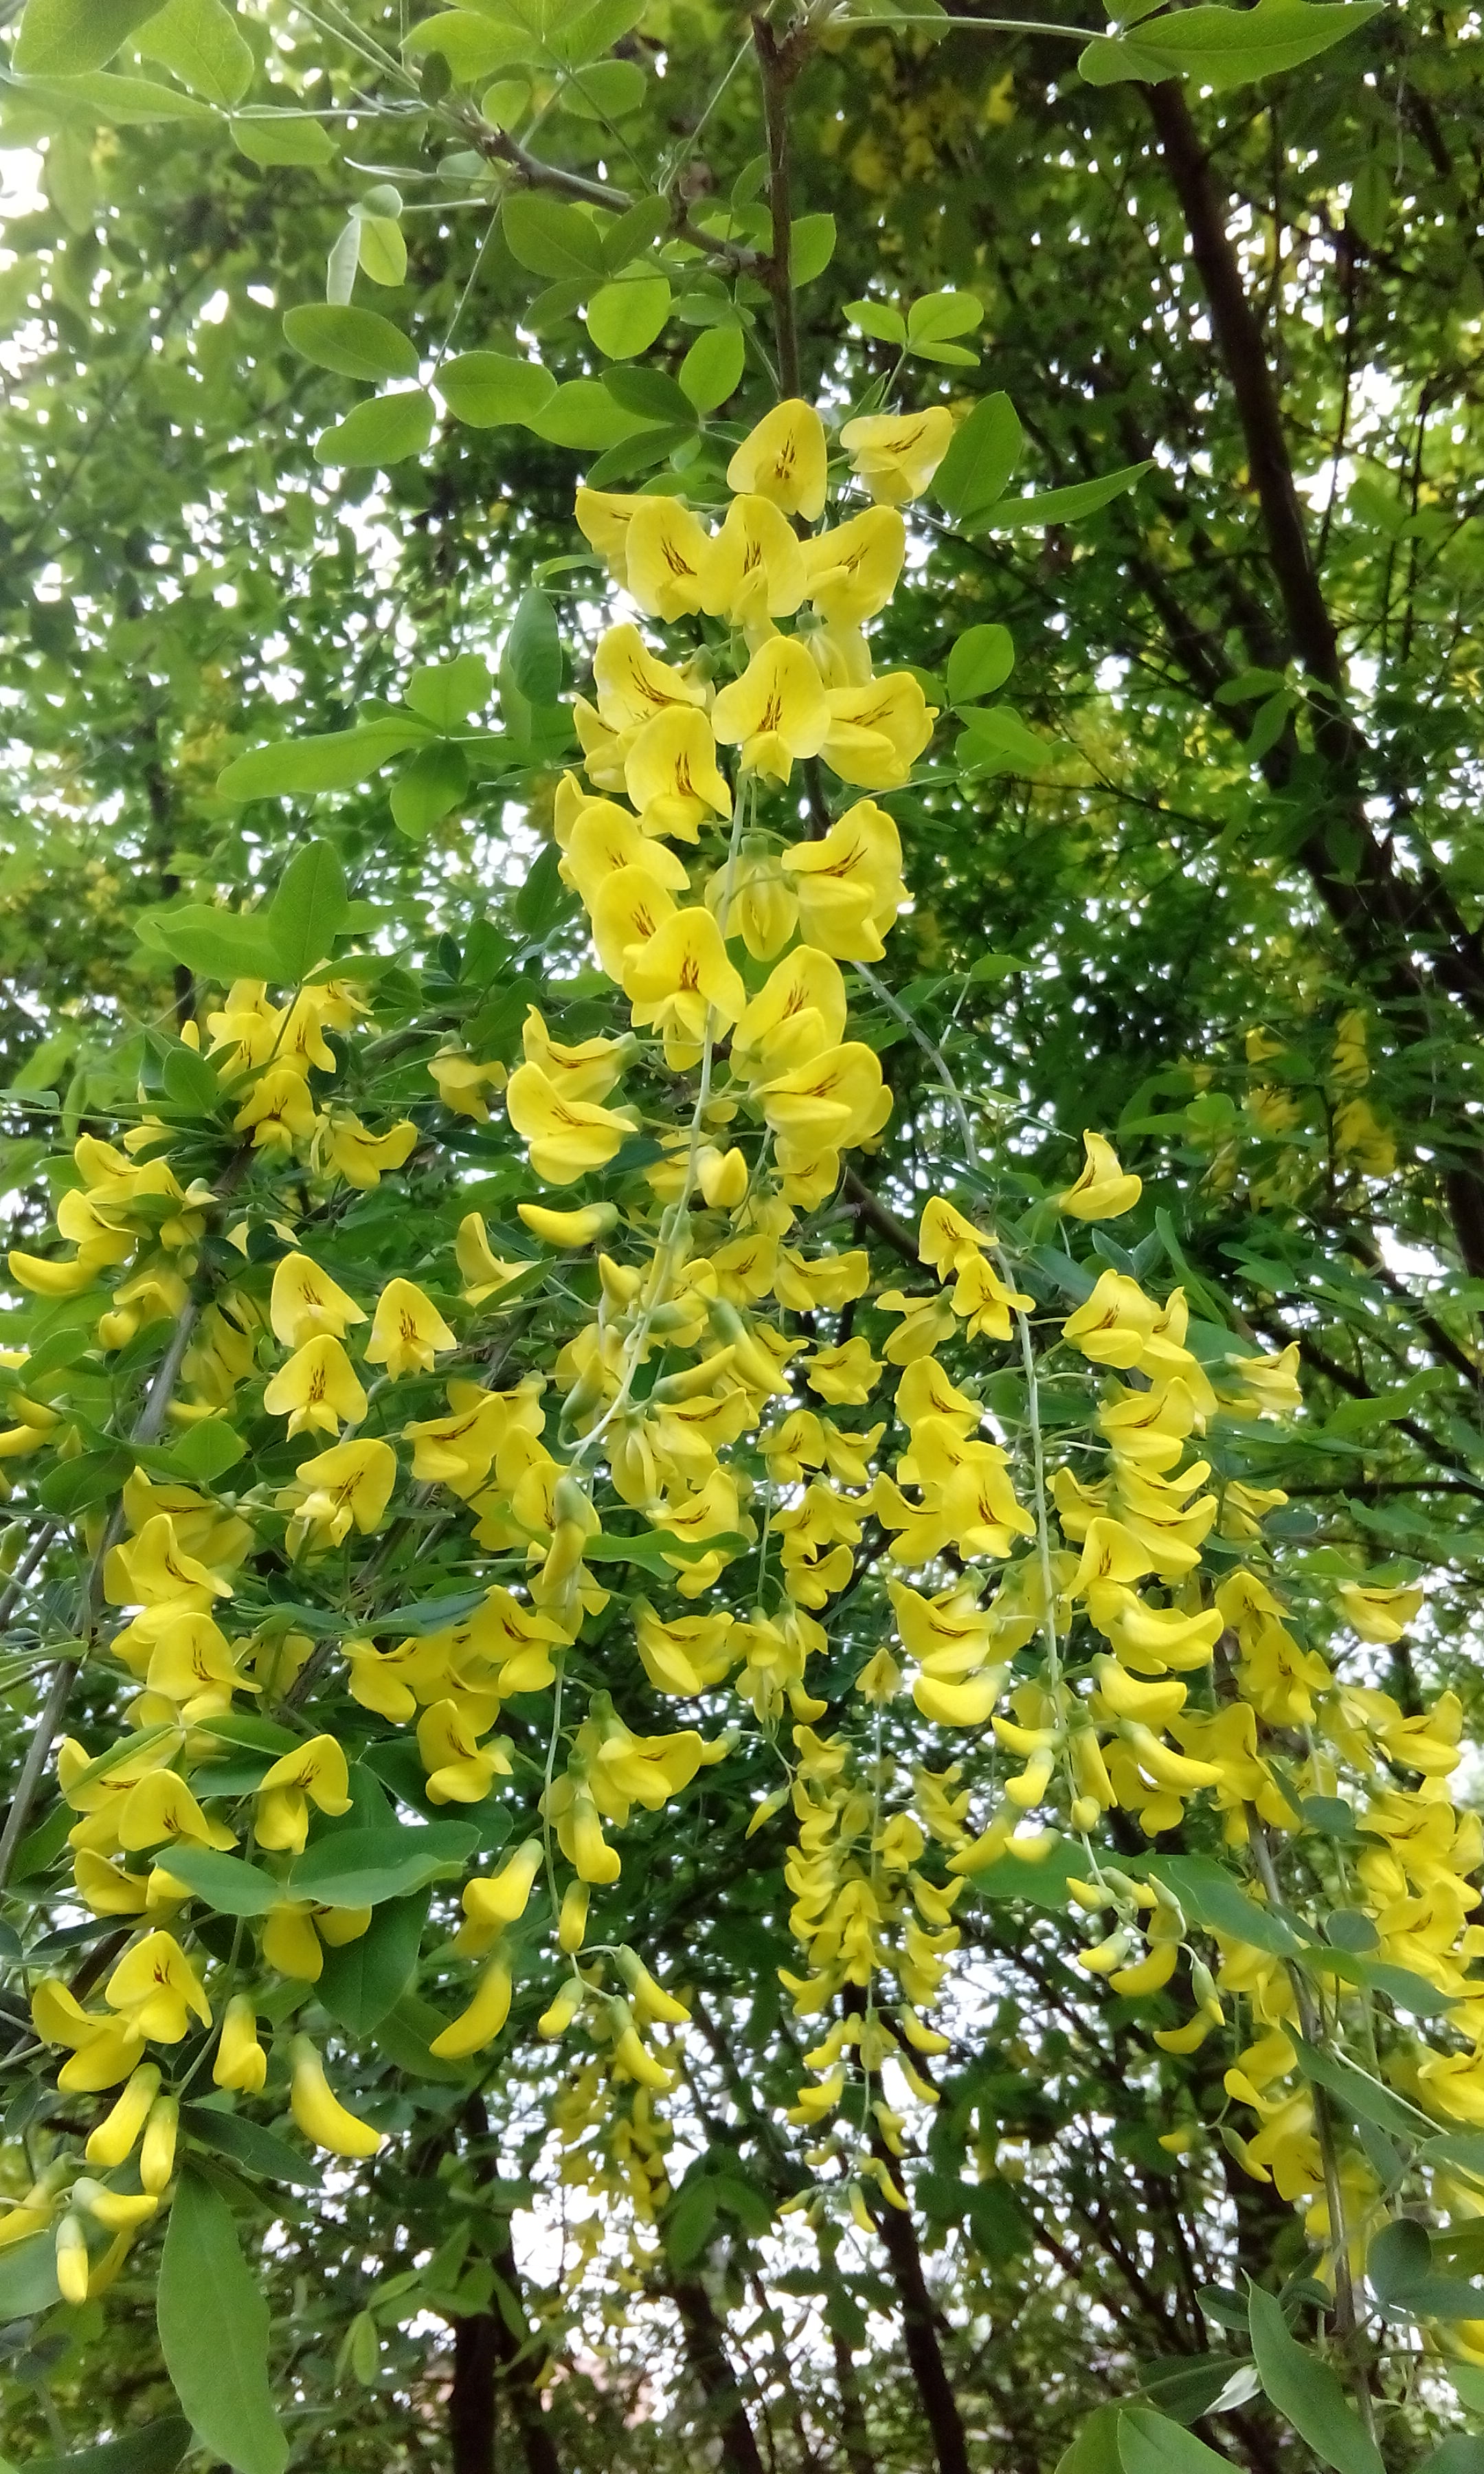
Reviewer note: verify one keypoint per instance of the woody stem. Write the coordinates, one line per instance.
(779, 60)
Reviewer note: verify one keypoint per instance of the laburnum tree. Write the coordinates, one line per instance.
(706, 1756)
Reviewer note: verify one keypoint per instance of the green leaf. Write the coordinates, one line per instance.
(213, 2331)
(1064, 506)
(387, 430)
(550, 238)
(75, 1486)
(222, 945)
(308, 910)
(1307, 2393)
(980, 661)
(1151, 2444)
(878, 319)
(446, 694)
(382, 250)
(583, 414)
(532, 654)
(280, 138)
(155, 2448)
(353, 343)
(59, 37)
(811, 245)
(297, 768)
(651, 394)
(473, 46)
(424, 792)
(1360, 2095)
(99, 96)
(189, 1081)
(608, 90)
(689, 2222)
(538, 903)
(363, 1868)
(365, 1979)
(939, 315)
(995, 739)
(1095, 2448)
(982, 454)
(1462, 2452)
(1400, 2258)
(639, 229)
(1209, 1897)
(624, 318)
(1225, 47)
(1464, 2148)
(207, 1451)
(712, 369)
(28, 2273)
(233, 2135)
(487, 390)
(198, 41)
(226, 1883)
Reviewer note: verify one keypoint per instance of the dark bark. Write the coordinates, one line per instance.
(1406, 934)
(471, 2397)
(706, 2353)
(919, 2335)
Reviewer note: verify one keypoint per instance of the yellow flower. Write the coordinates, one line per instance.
(586, 1069)
(755, 568)
(240, 2062)
(681, 977)
(484, 1270)
(632, 686)
(567, 1137)
(896, 454)
(1104, 1190)
(625, 913)
(1378, 1615)
(778, 709)
(460, 1770)
(317, 1388)
(850, 884)
(46, 1278)
(762, 907)
(1270, 1385)
(156, 1988)
(407, 1330)
(278, 1111)
(845, 1377)
(481, 2023)
(876, 733)
(852, 571)
(305, 1300)
(463, 1081)
(318, 2112)
(671, 776)
(363, 1158)
(160, 1806)
(1113, 1327)
(798, 1011)
(568, 1229)
(666, 548)
(606, 838)
(603, 519)
(490, 1905)
(314, 1773)
(350, 1485)
(785, 459)
(829, 1102)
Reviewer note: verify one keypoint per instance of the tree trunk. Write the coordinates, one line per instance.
(706, 2353)
(920, 2334)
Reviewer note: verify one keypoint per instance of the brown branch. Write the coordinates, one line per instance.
(779, 60)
